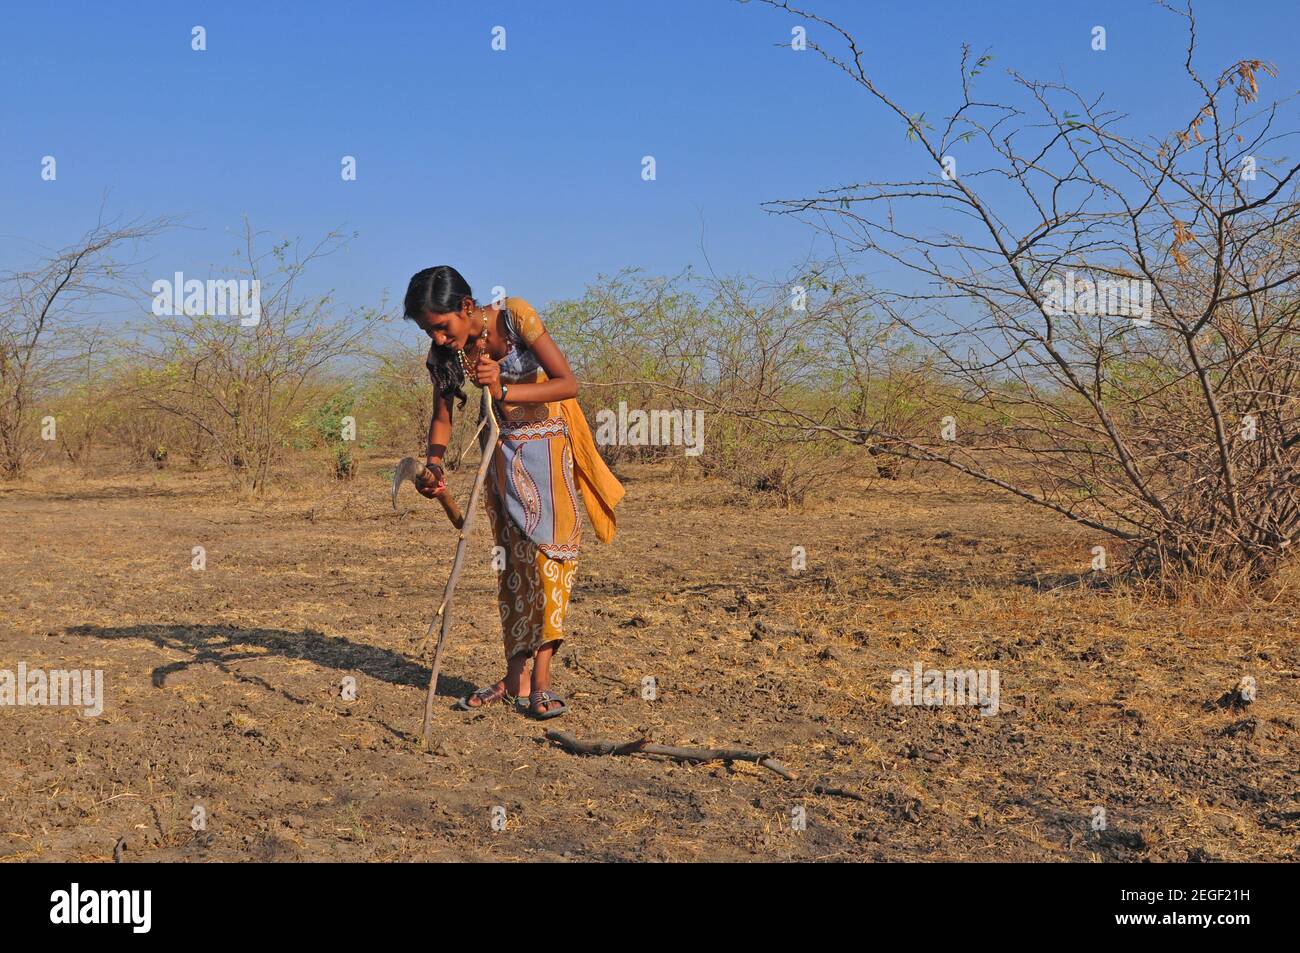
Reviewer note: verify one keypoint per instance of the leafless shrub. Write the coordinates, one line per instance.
(242, 386)
(1172, 429)
(43, 328)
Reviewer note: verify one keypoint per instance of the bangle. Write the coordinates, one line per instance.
(505, 389)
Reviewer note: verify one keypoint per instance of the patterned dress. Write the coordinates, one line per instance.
(546, 454)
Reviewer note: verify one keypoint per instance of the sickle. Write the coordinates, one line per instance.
(412, 469)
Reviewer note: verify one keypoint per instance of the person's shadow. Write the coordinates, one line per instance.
(223, 645)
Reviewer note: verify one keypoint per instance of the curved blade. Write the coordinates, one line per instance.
(408, 468)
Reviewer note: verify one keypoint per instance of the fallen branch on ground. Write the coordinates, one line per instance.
(695, 755)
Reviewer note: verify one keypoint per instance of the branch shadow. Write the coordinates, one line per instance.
(224, 645)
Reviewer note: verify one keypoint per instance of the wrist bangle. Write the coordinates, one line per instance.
(505, 388)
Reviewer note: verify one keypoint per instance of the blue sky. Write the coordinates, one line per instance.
(522, 168)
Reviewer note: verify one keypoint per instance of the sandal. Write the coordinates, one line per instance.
(541, 697)
(486, 696)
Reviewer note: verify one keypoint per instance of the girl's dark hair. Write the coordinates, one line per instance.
(439, 290)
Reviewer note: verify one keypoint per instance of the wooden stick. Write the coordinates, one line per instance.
(487, 444)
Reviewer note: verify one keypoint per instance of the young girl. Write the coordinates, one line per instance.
(545, 456)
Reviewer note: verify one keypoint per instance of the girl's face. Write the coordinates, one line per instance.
(449, 329)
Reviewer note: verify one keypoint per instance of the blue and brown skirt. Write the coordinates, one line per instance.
(532, 504)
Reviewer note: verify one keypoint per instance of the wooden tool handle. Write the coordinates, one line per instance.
(453, 511)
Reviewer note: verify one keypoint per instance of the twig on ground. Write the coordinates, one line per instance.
(599, 746)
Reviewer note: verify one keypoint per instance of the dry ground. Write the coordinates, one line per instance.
(223, 685)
